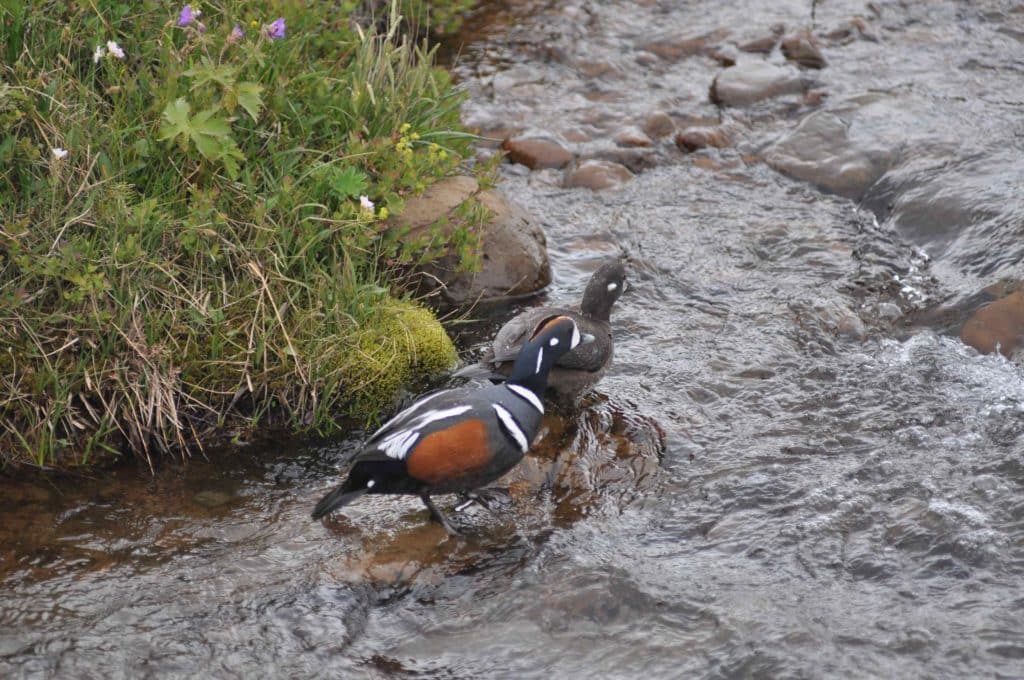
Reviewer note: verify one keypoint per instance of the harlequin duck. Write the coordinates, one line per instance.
(576, 372)
(457, 440)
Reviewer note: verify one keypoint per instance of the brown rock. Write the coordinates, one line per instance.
(659, 125)
(694, 138)
(633, 137)
(752, 81)
(762, 45)
(437, 201)
(766, 43)
(513, 254)
(802, 49)
(536, 153)
(598, 174)
(674, 49)
(998, 326)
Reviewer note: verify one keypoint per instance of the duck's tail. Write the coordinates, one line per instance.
(479, 372)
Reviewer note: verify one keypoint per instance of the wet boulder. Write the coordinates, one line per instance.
(597, 174)
(659, 125)
(513, 252)
(674, 48)
(536, 153)
(695, 138)
(826, 150)
(749, 82)
(632, 136)
(802, 49)
(998, 326)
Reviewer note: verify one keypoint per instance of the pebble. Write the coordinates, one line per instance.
(598, 174)
(536, 153)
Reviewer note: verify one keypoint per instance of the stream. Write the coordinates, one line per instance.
(799, 466)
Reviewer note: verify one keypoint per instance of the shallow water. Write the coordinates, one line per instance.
(794, 469)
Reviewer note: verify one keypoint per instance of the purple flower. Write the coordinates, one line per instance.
(275, 31)
(236, 34)
(187, 16)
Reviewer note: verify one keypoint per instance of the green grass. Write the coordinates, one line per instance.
(201, 261)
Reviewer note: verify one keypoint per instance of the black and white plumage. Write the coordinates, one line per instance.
(461, 439)
(575, 372)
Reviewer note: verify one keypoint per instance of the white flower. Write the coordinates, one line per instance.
(366, 203)
(98, 54)
(59, 153)
(115, 49)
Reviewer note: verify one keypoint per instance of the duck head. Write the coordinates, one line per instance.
(554, 337)
(604, 288)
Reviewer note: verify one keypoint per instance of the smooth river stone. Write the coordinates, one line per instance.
(821, 150)
(998, 326)
(536, 153)
(749, 82)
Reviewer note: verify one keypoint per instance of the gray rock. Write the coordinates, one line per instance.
(749, 82)
(823, 150)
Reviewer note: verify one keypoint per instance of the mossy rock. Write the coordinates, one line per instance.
(402, 346)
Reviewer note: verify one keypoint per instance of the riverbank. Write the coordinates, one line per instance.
(195, 238)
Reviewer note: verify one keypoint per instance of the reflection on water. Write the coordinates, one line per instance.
(795, 467)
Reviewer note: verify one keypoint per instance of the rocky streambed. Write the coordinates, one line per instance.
(806, 461)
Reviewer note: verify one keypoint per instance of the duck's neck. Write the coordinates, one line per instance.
(597, 302)
(531, 370)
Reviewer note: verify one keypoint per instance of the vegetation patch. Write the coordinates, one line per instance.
(192, 208)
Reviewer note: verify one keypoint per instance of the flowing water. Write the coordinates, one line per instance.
(796, 468)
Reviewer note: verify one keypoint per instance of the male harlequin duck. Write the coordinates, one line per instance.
(576, 372)
(455, 441)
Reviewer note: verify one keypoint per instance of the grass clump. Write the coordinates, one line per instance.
(191, 220)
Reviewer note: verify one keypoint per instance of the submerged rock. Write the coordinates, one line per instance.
(694, 138)
(659, 125)
(536, 153)
(676, 48)
(633, 137)
(998, 326)
(802, 49)
(598, 174)
(749, 82)
(822, 150)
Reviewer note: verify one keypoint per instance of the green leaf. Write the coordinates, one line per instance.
(210, 134)
(175, 120)
(249, 98)
(204, 123)
(348, 183)
(208, 72)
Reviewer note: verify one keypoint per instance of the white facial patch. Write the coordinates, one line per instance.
(511, 427)
(553, 342)
(612, 286)
(527, 394)
(540, 359)
(575, 337)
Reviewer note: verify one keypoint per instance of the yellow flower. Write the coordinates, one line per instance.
(383, 214)
(405, 128)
